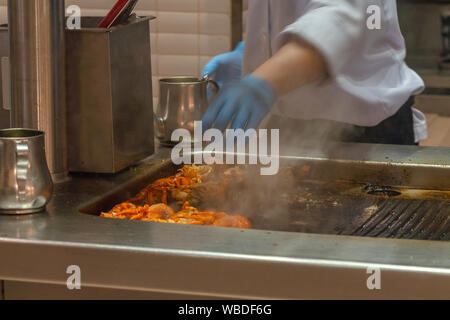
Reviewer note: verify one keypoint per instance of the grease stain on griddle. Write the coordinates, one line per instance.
(385, 191)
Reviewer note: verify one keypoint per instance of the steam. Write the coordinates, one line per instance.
(267, 200)
(298, 134)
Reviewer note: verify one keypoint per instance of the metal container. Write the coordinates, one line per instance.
(37, 60)
(182, 100)
(109, 96)
(25, 182)
(4, 79)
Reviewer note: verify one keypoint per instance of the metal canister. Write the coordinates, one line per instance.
(25, 182)
(182, 100)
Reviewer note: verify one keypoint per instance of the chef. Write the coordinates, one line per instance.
(335, 66)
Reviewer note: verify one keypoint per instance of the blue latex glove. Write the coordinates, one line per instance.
(244, 103)
(226, 67)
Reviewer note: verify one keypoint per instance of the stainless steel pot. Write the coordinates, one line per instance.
(25, 182)
(182, 100)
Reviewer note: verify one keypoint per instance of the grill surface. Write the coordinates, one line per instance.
(336, 206)
(407, 219)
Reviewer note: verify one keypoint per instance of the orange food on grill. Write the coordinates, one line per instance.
(187, 215)
(176, 186)
(233, 222)
(152, 202)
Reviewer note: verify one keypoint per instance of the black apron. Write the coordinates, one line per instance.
(397, 129)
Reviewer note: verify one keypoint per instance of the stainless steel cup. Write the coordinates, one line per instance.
(25, 182)
(182, 100)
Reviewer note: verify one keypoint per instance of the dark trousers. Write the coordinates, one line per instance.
(397, 129)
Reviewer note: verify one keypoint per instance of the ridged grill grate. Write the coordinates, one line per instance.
(406, 219)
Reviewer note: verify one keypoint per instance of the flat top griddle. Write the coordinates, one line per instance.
(330, 201)
(351, 209)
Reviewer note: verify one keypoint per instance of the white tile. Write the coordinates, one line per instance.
(3, 14)
(244, 20)
(89, 4)
(213, 45)
(218, 6)
(215, 23)
(177, 22)
(108, 4)
(183, 44)
(153, 42)
(203, 61)
(148, 13)
(93, 12)
(155, 104)
(147, 5)
(154, 22)
(178, 65)
(154, 64)
(155, 86)
(178, 5)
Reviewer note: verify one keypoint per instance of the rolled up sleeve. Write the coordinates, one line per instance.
(334, 28)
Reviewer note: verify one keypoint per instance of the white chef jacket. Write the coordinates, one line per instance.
(369, 79)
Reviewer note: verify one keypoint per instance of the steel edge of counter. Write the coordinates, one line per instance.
(314, 266)
(219, 275)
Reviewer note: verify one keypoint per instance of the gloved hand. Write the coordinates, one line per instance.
(226, 67)
(245, 102)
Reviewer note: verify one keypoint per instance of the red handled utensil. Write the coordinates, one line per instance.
(118, 14)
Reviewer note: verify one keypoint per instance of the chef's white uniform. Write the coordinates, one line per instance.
(369, 79)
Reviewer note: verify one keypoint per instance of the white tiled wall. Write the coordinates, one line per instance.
(185, 35)
(3, 11)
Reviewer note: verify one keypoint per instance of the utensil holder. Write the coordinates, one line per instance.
(109, 96)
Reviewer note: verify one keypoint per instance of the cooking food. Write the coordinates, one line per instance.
(156, 201)
(305, 196)
(177, 187)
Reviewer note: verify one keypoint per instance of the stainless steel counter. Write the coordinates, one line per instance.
(219, 262)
